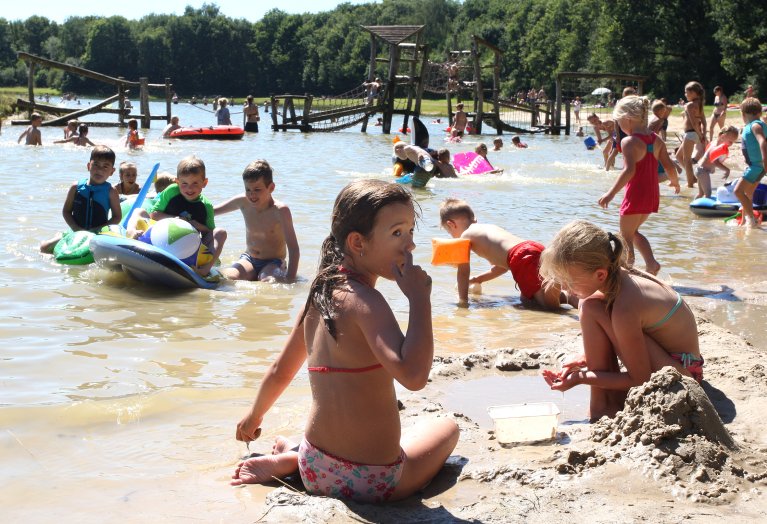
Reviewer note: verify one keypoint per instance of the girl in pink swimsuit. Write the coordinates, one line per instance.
(641, 152)
(355, 351)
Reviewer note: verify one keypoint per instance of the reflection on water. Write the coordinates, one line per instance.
(95, 365)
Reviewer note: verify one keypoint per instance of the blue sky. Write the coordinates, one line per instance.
(60, 10)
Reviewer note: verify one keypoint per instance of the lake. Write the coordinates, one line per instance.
(121, 398)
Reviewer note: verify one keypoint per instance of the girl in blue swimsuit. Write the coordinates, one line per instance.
(625, 315)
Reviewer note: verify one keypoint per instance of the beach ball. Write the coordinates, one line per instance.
(175, 236)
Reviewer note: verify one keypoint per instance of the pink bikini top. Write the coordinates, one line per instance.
(327, 369)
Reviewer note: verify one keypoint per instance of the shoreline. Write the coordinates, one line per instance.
(579, 474)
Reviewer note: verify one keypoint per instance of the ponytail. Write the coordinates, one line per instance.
(327, 280)
(617, 256)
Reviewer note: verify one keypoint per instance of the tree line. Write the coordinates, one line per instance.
(717, 42)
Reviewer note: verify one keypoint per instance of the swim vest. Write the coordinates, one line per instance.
(750, 146)
(91, 206)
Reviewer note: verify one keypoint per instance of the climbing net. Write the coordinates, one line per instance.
(597, 92)
(456, 74)
(344, 110)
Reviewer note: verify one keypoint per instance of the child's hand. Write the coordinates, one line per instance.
(249, 428)
(575, 364)
(412, 280)
(675, 185)
(605, 200)
(558, 382)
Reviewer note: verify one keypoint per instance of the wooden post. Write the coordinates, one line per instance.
(479, 95)
(371, 75)
(558, 107)
(420, 85)
(121, 103)
(273, 103)
(307, 111)
(496, 87)
(168, 97)
(144, 94)
(31, 87)
(567, 118)
(390, 91)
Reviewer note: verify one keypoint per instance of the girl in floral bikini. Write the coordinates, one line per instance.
(625, 314)
(355, 350)
(641, 152)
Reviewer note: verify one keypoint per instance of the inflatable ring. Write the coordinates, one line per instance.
(401, 131)
(74, 248)
(451, 251)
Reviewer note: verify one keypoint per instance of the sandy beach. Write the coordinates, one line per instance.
(678, 452)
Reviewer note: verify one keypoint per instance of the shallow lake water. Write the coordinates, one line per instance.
(124, 399)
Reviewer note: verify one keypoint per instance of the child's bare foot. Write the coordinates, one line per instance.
(258, 470)
(653, 268)
(282, 444)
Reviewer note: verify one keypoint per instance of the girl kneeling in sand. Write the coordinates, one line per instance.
(625, 314)
(355, 350)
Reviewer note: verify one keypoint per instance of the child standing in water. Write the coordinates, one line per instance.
(641, 152)
(625, 315)
(694, 128)
(132, 140)
(355, 351)
(754, 146)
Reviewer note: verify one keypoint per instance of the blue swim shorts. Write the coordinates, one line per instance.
(754, 173)
(260, 263)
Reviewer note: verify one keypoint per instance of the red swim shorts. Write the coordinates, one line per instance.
(523, 261)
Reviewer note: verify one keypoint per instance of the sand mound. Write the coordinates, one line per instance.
(672, 431)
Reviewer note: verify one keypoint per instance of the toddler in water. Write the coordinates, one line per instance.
(355, 351)
(132, 140)
(727, 136)
(625, 314)
(641, 151)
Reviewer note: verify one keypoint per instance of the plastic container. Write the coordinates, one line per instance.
(590, 142)
(525, 422)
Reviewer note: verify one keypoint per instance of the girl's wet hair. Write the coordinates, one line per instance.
(633, 107)
(583, 244)
(355, 210)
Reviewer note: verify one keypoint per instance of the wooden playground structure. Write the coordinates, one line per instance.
(405, 61)
(123, 90)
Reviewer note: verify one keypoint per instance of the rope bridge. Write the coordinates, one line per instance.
(324, 113)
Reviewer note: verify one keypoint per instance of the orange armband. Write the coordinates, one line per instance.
(451, 251)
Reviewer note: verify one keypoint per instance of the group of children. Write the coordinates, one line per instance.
(272, 248)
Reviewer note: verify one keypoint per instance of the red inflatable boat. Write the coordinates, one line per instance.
(209, 133)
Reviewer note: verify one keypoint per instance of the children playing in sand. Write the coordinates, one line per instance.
(32, 133)
(355, 351)
(625, 315)
(709, 164)
(185, 200)
(90, 201)
(269, 234)
(128, 175)
(505, 251)
(641, 152)
(754, 146)
(694, 129)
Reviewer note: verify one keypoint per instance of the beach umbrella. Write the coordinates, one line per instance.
(600, 91)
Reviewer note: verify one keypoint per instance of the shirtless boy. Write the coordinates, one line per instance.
(269, 233)
(32, 133)
(506, 252)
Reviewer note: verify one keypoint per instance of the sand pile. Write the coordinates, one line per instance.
(670, 430)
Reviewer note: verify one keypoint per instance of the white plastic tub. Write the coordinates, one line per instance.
(525, 422)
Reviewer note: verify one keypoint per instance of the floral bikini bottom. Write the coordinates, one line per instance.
(326, 474)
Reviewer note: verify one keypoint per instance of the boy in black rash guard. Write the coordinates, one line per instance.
(90, 200)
